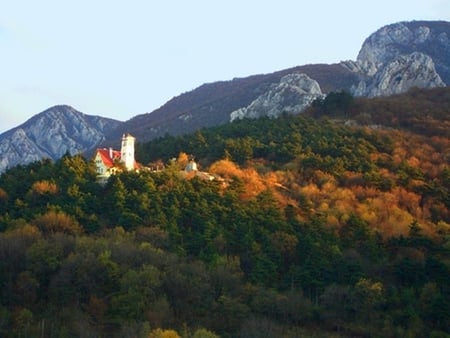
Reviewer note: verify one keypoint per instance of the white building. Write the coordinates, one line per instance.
(110, 161)
(127, 152)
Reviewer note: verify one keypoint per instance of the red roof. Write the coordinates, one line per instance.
(106, 158)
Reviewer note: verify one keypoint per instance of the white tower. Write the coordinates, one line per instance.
(127, 151)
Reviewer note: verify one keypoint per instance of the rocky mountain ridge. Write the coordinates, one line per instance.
(51, 134)
(212, 104)
(401, 56)
(431, 38)
(392, 60)
(399, 75)
(292, 94)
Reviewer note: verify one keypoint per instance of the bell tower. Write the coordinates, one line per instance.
(127, 151)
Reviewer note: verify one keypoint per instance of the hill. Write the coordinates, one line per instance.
(311, 228)
(330, 223)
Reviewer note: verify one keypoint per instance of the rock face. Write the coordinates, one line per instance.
(400, 56)
(51, 134)
(399, 75)
(291, 95)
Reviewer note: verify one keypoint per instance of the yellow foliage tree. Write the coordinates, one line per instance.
(159, 333)
(225, 168)
(54, 221)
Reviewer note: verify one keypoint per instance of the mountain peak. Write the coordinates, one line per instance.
(51, 134)
(431, 38)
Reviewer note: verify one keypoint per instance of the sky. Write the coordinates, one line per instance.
(118, 58)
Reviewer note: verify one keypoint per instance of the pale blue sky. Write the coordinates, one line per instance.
(122, 58)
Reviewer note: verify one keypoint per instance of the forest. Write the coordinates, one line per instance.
(312, 227)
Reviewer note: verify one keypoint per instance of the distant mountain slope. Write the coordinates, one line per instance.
(211, 104)
(392, 60)
(51, 134)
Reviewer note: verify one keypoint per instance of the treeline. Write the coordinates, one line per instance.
(422, 111)
(309, 229)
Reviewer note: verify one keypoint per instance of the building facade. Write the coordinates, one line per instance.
(109, 161)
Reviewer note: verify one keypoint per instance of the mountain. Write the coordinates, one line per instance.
(431, 38)
(392, 60)
(400, 56)
(51, 134)
(211, 104)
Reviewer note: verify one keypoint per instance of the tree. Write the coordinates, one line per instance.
(356, 234)
(434, 307)
(368, 299)
(55, 221)
(27, 287)
(336, 307)
(159, 333)
(188, 291)
(241, 149)
(44, 187)
(44, 258)
(138, 289)
(204, 333)
(334, 103)
(23, 319)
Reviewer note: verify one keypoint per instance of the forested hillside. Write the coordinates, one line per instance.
(419, 111)
(311, 229)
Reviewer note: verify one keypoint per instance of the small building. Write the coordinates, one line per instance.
(191, 166)
(191, 170)
(109, 161)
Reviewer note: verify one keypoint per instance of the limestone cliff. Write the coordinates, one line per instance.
(292, 94)
(400, 56)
